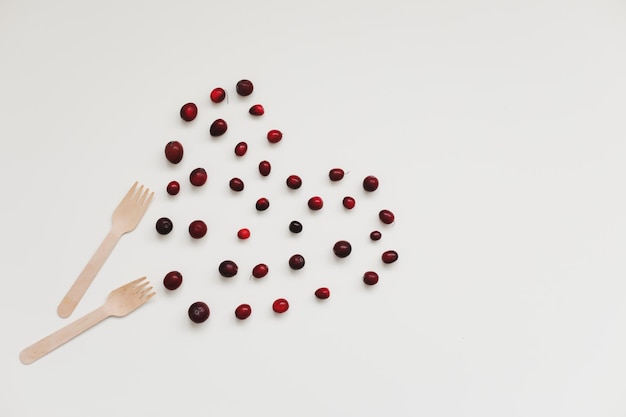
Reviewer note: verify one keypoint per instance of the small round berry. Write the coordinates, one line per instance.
(280, 305)
(342, 248)
(243, 311)
(375, 235)
(199, 312)
(236, 184)
(260, 270)
(389, 256)
(349, 202)
(241, 148)
(198, 177)
(218, 127)
(335, 174)
(257, 110)
(294, 182)
(172, 280)
(228, 269)
(316, 203)
(386, 216)
(295, 226)
(173, 187)
(197, 229)
(218, 95)
(322, 293)
(262, 204)
(188, 112)
(164, 225)
(265, 168)
(370, 278)
(296, 262)
(370, 183)
(174, 151)
(244, 87)
(274, 136)
(243, 234)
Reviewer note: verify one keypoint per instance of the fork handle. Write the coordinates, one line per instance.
(86, 277)
(65, 334)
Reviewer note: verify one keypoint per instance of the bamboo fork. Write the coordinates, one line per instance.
(125, 218)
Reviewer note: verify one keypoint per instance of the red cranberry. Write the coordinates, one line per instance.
(262, 204)
(335, 174)
(243, 311)
(228, 269)
(274, 136)
(188, 112)
(280, 305)
(294, 182)
(173, 188)
(370, 183)
(322, 293)
(218, 95)
(198, 177)
(241, 148)
(295, 227)
(260, 270)
(174, 151)
(197, 229)
(349, 203)
(236, 184)
(264, 168)
(172, 280)
(342, 248)
(316, 203)
(257, 110)
(243, 234)
(199, 312)
(375, 235)
(296, 262)
(244, 87)
(389, 256)
(164, 225)
(218, 127)
(370, 278)
(386, 216)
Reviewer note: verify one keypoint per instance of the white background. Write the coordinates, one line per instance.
(496, 130)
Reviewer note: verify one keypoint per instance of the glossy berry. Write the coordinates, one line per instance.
(370, 183)
(265, 168)
(218, 95)
(260, 270)
(322, 293)
(370, 278)
(294, 182)
(218, 127)
(172, 280)
(197, 229)
(389, 256)
(316, 203)
(174, 151)
(228, 269)
(199, 312)
(241, 148)
(375, 235)
(280, 305)
(257, 110)
(386, 216)
(335, 174)
(262, 204)
(295, 227)
(236, 184)
(342, 248)
(198, 177)
(296, 262)
(244, 87)
(164, 225)
(173, 187)
(348, 202)
(274, 136)
(243, 311)
(188, 112)
(243, 234)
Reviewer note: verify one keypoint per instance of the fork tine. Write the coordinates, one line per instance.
(145, 291)
(138, 193)
(140, 287)
(138, 280)
(149, 296)
(130, 192)
(144, 196)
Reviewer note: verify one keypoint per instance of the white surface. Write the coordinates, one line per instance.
(496, 129)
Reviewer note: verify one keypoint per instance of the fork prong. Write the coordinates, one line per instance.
(145, 290)
(144, 196)
(137, 281)
(149, 296)
(131, 192)
(137, 195)
(140, 287)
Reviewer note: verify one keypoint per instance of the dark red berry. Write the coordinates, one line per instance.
(349, 202)
(164, 225)
(173, 188)
(295, 227)
(199, 312)
(241, 148)
(244, 87)
(389, 256)
(218, 127)
(236, 184)
(370, 183)
(335, 174)
(296, 261)
(342, 248)
(174, 151)
(198, 177)
(243, 311)
(294, 182)
(260, 270)
(370, 277)
(264, 168)
(257, 110)
(243, 234)
(322, 293)
(188, 112)
(262, 204)
(280, 305)
(172, 280)
(274, 136)
(316, 203)
(375, 235)
(386, 216)
(218, 95)
(228, 269)
(197, 229)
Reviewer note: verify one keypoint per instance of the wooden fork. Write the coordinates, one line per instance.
(120, 302)
(125, 218)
